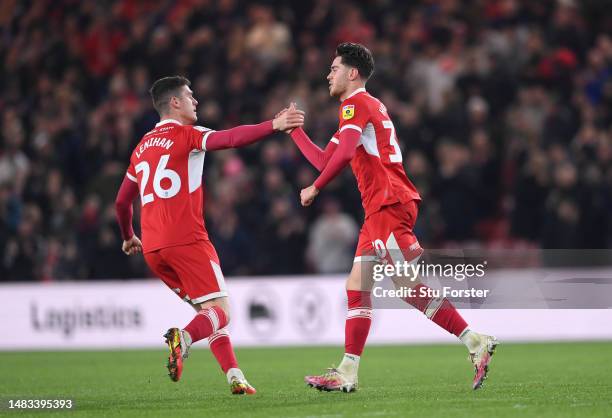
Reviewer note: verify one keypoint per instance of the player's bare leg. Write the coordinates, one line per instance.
(345, 377)
(481, 347)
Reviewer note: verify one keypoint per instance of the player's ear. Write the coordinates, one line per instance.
(353, 74)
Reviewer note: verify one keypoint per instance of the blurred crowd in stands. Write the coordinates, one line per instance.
(503, 109)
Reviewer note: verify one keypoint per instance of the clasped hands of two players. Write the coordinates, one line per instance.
(288, 119)
(308, 194)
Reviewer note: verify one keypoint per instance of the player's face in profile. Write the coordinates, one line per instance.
(337, 77)
(187, 104)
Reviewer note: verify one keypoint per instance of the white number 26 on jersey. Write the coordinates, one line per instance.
(161, 172)
(396, 157)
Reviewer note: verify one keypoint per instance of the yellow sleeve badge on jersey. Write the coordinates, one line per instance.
(348, 112)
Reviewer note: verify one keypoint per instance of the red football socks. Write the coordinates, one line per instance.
(439, 310)
(209, 323)
(358, 321)
(205, 323)
(222, 349)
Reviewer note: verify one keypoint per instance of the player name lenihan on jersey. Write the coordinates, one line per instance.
(154, 142)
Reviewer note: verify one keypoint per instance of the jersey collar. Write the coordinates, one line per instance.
(359, 90)
(165, 121)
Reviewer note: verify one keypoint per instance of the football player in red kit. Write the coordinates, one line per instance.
(166, 168)
(366, 139)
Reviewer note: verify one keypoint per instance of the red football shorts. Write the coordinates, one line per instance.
(192, 271)
(388, 235)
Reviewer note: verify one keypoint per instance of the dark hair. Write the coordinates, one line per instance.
(357, 56)
(164, 88)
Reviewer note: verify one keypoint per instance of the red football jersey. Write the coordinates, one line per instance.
(377, 163)
(167, 164)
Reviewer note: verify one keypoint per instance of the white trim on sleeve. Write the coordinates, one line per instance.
(334, 140)
(355, 127)
(204, 138)
(131, 177)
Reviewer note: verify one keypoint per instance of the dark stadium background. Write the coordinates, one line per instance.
(503, 110)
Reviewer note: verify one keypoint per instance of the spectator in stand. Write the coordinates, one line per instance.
(332, 239)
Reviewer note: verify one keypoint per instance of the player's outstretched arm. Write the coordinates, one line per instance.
(315, 155)
(244, 135)
(349, 140)
(123, 209)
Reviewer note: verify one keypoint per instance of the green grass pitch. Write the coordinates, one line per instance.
(526, 380)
